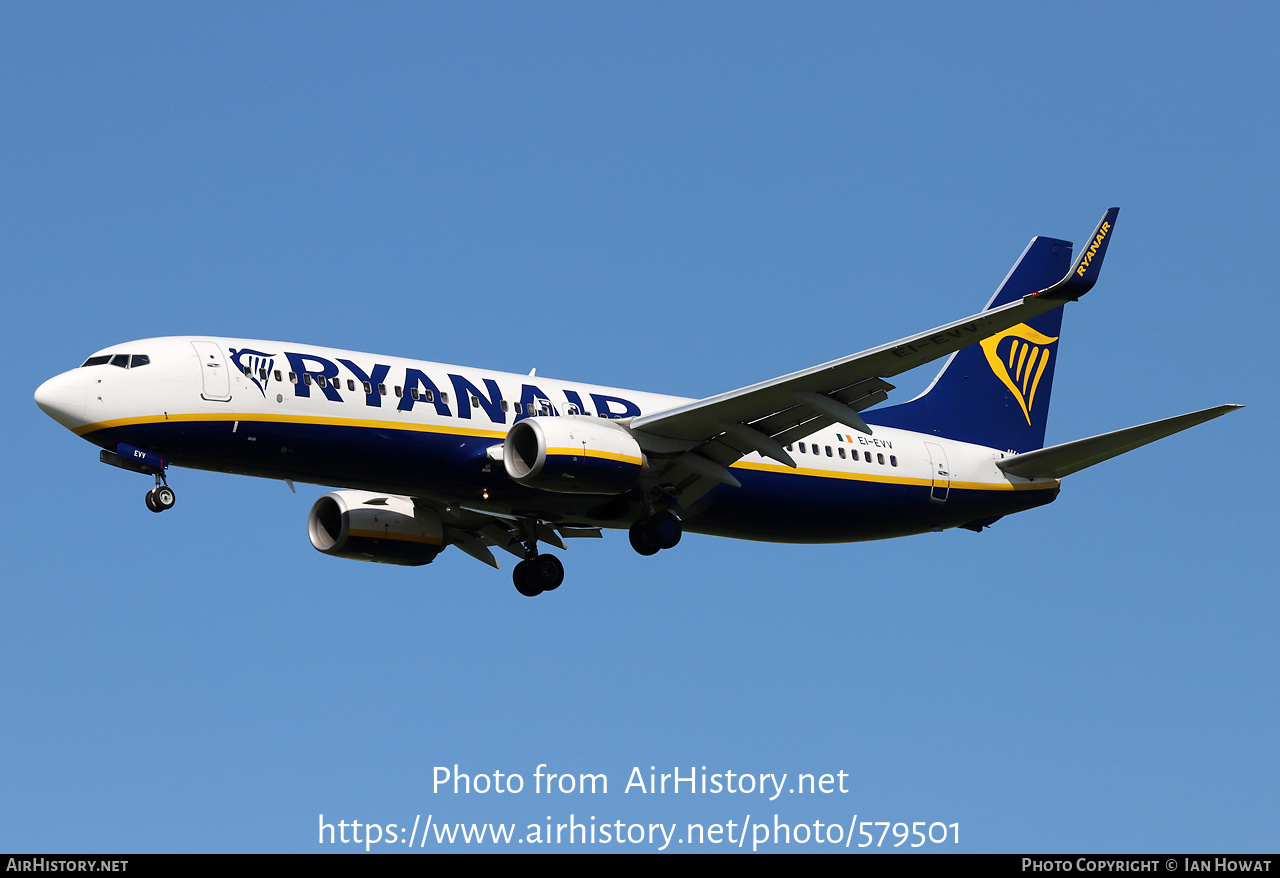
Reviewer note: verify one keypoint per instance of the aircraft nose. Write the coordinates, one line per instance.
(62, 398)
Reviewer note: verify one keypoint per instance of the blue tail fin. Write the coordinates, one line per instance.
(996, 392)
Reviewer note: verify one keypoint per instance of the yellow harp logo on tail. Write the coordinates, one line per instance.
(1018, 356)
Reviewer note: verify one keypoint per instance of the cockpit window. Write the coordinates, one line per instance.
(124, 361)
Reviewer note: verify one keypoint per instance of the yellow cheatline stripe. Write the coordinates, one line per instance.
(494, 434)
(261, 417)
(894, 480)
(382, 535)
(591, 452)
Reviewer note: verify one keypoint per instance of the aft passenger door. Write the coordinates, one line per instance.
(940, 472)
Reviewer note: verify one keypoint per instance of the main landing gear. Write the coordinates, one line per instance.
(536, 573)
(657, 532)
(161, 497)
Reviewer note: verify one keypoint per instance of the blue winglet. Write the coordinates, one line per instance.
(1084, 274)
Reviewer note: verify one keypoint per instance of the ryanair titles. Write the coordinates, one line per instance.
(310, 371)
(1088, 255)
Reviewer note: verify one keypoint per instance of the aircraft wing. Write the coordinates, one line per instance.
(767, 416)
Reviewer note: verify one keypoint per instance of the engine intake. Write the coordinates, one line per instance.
(572, 455)
(384, 528)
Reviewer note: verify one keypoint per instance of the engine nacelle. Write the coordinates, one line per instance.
(572, 455)
(375, 527)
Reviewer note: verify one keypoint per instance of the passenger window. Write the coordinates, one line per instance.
(368, 388)
(505, 406)
(398, 390)
(262, 373)
(475, 401)
(278, 376)
(880, 459)
(121, 360)
(431, 397)
(306, 378)
(841, 450)
(828, 451)
(293, 377)
(139, 360)
(322, 381)
(248, 372)
(351, 385)
(802, 448)
(893, 459)
(414, 393)
(444, 397)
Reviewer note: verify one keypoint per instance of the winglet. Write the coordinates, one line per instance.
(1084, 274)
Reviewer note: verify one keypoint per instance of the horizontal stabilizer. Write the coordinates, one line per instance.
(1058, 461)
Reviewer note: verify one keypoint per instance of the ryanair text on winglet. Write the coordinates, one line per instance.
(1093, 248)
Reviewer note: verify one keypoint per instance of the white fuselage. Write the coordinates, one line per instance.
(366, 421)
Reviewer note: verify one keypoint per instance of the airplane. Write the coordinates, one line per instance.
(427, 455)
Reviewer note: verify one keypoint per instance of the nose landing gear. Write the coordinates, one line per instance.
(149, 463)
(161, 497)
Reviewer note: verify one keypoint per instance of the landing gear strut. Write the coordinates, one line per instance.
(161, 497)
(536, 573)
(659, 531)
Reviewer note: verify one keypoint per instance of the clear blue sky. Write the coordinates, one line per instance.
(671, 197)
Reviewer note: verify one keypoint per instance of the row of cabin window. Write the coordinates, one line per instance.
(853, 452)
(424, 395)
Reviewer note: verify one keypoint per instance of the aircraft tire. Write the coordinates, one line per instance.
(640, 540)
(165, 498)
(664, 530)
(524, 580)
(151, 501)
(546, 571)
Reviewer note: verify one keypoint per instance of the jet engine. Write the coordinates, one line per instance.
(572, 455)
(375, 527)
